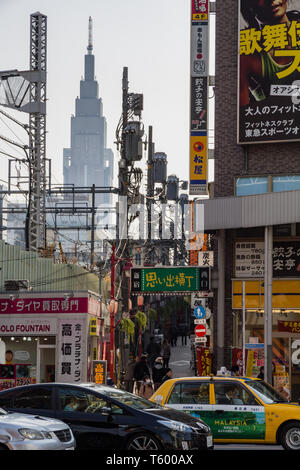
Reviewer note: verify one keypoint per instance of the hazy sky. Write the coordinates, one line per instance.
(151, 38)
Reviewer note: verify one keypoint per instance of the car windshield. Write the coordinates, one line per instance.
(129, 399)
(265, 392)
(3, 412)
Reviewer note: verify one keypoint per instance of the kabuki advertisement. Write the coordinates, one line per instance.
(269, 71)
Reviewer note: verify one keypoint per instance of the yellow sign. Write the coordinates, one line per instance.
(198, 162)
(93, 326)
(200, 17)
(99, 372)
(285, 294)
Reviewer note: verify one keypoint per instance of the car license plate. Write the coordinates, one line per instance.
(209, 441)
(185, 445)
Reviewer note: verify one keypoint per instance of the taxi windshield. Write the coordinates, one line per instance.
(265, 392)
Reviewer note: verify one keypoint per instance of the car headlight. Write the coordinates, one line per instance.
(32, 434)
(176, 426)
(203, 427)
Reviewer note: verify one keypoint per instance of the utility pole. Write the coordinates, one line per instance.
(150, 183)
(112, 315)
(129, 140)
(93, 227)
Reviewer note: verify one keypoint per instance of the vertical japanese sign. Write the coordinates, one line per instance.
(269, 71)
(204, 361)
(199, 97)
(100, 372)
(70, 352)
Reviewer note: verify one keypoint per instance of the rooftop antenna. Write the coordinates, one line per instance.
(90, 44)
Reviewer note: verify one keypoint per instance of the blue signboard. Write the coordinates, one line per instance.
(199, 312)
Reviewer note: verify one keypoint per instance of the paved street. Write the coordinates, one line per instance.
(180, 360)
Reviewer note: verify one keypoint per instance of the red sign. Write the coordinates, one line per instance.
(200, 10)
(289, 326)
(40, 305)
(200, 331)
(204, 361)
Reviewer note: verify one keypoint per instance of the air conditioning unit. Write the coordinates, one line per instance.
(17, 285)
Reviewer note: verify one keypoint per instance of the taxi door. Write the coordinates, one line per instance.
(237, 413)
(192, 397)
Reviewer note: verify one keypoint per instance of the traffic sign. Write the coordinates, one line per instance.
(200, 331)
(200, 321)
(201, 340)
(199, 312)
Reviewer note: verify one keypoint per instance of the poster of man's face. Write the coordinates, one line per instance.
(269, 71)
(9, 357)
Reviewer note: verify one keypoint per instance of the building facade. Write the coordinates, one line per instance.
(253, 216)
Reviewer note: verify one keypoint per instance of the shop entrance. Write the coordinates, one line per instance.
(286, 355)
(45, 362)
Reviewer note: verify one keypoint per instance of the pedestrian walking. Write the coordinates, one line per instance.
(184, 332)
(166, 353)
(129, 372)
(140, 371)
(158, 372)
(174, 334)
(153, 350)
(146, 388)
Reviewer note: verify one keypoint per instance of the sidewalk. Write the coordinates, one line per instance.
(180, 360)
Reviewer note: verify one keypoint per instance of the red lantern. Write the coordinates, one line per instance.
(140, 300)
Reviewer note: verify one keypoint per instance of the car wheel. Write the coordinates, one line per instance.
(142, 442)
(290, 436)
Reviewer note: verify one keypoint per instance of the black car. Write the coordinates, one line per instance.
(103, 417)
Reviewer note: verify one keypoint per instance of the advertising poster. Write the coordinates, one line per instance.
(198, 163)
(199, 83)
(269, 71)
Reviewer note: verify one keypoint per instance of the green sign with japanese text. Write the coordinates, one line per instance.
(170, 279)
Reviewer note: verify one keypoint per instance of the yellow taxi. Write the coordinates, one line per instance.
(237, 409)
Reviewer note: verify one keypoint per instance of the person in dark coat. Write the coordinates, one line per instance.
(153, 350)
(168, 375)
(140, 370)
(158, 372)
(174, 334)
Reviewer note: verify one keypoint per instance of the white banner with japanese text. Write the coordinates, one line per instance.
(71, 341)
(269, 71)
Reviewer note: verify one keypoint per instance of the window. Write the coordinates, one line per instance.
(230, 393)
(286, 183)
(190, 393)
(76, 400)
(250, 186)
(38, 398)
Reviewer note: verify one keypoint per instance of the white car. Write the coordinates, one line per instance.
(28, 432)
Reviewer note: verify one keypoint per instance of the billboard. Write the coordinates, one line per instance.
(199, 79)
(269, 71)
